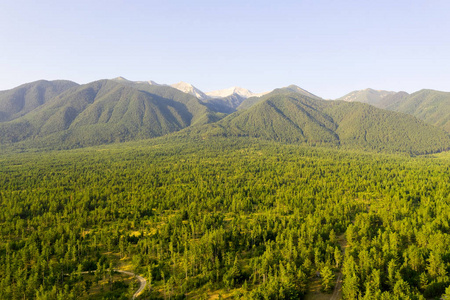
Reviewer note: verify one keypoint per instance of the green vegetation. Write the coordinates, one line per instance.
(223, 217)
(427, 105)
(215, 206)
(376, 98)
(111, 111)
(291, 117)
(25, 98)
(106, 111)
(247, 103)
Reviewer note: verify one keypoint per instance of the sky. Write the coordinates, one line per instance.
(329, 48)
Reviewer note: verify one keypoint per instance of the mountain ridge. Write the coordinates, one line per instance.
(431, 106)
(21, 100)
(118, 110)
(294, 118)
(105, 111)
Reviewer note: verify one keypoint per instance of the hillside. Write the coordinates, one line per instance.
(291, 117)
(201, 113)
(228, 100)
(249, 102)
(106, 111)
(373, 97)
(21, 100)
(227, 104)
(62, 114)
(431, 106)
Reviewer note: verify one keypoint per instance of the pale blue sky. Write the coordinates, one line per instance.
(326, 47)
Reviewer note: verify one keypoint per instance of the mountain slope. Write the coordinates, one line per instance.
(226, 100)
(106, 111)
(201, 112)
(189, 89)
(291, 117)
(431, 106)
(369, 96)
(299, 90)
(226, 105)
(249, 102)
(21, 100)
(365, 126)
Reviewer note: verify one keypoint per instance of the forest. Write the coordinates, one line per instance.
(223, 218)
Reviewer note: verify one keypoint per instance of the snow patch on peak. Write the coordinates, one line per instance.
(261, 94)
(230, 91)
(244, 93)
(151, 82)
(123, 79)
(190, 89)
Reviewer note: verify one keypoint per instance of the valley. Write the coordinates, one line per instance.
(281, 197)
(224, 217)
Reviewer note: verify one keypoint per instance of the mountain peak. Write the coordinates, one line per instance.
(230, 91)
(235, 90)
(120, 78)
(189, 89)
(297, 89)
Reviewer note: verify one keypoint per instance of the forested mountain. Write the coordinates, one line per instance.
(63, 114)
(299, 90)
(291, 88)
(228, 100)
(23, 99)
(369, 96)
(221, 207)
(107, 111)
(291, 117)
(431, 106)
(222, 101)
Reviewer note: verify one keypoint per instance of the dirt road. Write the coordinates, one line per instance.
(142, 282)
(337, 288)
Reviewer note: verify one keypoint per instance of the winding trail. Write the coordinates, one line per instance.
(337, 293)
(142, 281)
(337, 288)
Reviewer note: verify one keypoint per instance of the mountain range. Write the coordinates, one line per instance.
(433, 107)
(64, 114)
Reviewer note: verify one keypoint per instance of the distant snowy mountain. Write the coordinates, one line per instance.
(190, 89)
(151, 82)
(227, 100)
(236, 93)
(244, 93)
(230, 91)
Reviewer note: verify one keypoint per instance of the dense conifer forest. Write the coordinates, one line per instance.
(235, 218)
